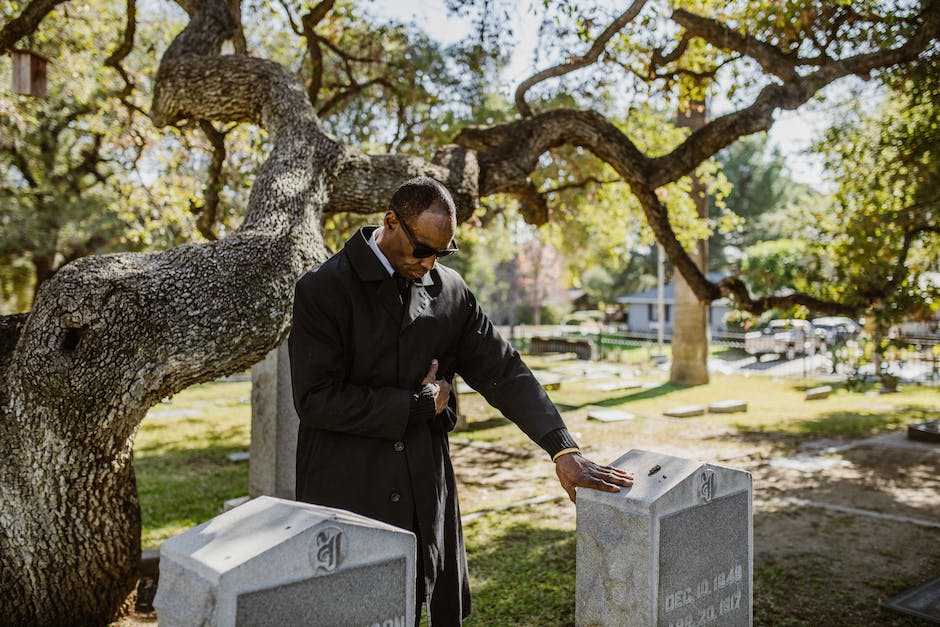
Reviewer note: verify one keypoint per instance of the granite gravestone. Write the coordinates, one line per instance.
(274, 421)
(277, 562)
(675, 550)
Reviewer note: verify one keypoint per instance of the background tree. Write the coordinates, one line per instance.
(109, 336)
(762, 193)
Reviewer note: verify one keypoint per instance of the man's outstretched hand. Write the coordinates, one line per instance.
(573, 471)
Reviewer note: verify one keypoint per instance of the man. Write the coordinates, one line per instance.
(379, 332)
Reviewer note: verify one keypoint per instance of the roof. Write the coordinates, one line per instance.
(669, 294)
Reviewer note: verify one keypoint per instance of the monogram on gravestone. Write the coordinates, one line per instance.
(329, 549)
(706, 486)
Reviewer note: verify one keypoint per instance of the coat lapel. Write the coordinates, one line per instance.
(370, 269)
(422, 291)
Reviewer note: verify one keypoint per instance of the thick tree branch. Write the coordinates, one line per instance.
(26, 22)
(735, 288)
(590, 57)
(771, 58)
(724, 130)
(508, 153)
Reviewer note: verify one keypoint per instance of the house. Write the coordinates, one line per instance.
(642, 310)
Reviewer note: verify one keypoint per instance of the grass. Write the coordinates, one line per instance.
(522, 568)
(183, 476)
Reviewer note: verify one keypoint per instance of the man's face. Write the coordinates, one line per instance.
(432, 228)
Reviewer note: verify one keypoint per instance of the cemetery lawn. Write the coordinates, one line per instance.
(812, 565)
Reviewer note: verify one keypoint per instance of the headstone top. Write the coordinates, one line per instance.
(247, 531)
(656, 475)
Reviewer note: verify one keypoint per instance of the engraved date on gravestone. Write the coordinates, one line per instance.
(704, 576)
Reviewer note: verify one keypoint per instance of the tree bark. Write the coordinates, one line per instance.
(690, 337)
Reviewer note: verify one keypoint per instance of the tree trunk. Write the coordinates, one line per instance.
(690, 316)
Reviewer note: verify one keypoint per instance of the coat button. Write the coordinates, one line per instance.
(399, 446)
(395, 497)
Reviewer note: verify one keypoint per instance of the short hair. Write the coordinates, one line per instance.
(417, 195)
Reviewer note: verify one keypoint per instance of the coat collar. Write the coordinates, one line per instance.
(368, 267)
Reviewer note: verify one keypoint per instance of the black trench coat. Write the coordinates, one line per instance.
(356, 359)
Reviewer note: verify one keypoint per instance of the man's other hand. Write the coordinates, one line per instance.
(573, 471)
(440, 387)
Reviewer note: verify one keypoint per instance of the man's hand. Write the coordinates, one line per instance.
(573, 471)
(440, 387)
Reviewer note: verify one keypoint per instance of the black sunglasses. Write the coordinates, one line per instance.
(422, 251)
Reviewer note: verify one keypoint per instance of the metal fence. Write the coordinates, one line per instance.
(910, 359)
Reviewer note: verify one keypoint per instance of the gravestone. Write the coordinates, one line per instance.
(602, 414)
(675, 550)
(274, 422)
(823, 391)
(685, 411)
(277, 562)
(727, 407)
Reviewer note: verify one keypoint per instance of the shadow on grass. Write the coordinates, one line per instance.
(838, 424)
(525, 575)
(217, 437)
(730, 354)
(659, 390)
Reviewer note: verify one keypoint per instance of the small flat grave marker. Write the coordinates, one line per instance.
(616, 386)
(821, 392)
(922, 602)
(925, 431)
(675, 549)
(685, 411)
(278, 562)
(609, 415)
(548, 380)
(727, 407)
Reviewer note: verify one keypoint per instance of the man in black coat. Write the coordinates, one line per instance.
(379, 331)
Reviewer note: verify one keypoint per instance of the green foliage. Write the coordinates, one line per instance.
(885, 225)
(763, 197)
(71, 164)
(770, 267)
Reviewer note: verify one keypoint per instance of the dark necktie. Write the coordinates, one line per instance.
(404, 288)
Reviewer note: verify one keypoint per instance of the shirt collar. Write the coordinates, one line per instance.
(379, 254)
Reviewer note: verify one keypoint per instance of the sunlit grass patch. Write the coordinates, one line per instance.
(183, 475)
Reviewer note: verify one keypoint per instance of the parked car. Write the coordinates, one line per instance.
(836, 330)
(784, 336)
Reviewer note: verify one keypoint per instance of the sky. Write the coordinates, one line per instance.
(793, 131)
